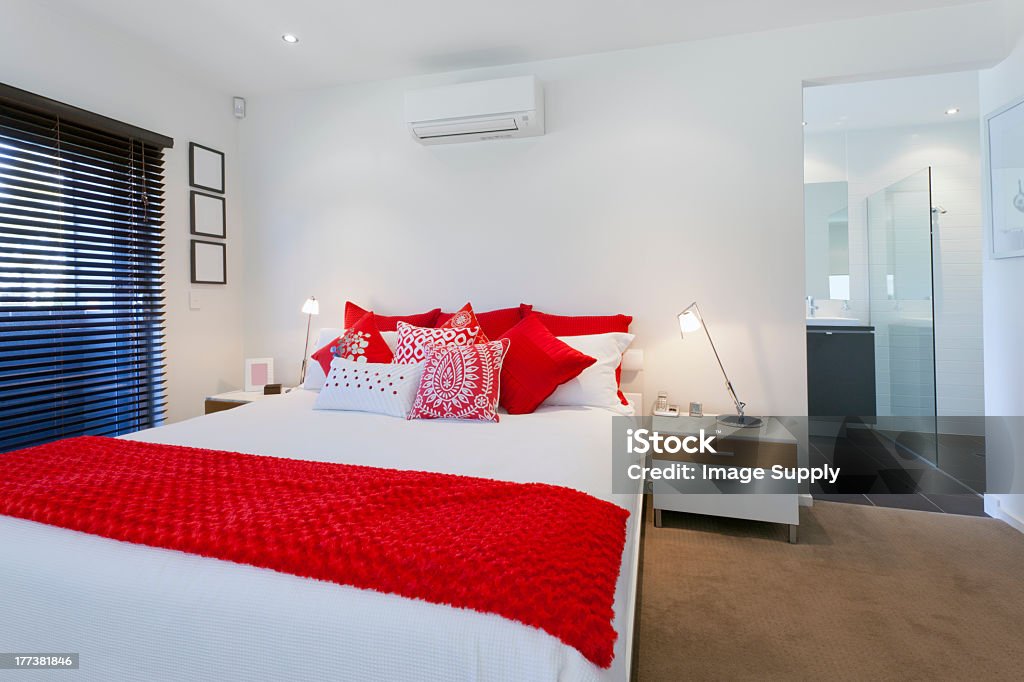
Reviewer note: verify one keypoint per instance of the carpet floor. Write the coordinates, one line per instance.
(868, 593)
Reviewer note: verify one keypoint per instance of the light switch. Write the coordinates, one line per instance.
(194, 301)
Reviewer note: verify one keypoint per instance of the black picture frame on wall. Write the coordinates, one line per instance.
(205, 168)
(209, 262)
(208, 215)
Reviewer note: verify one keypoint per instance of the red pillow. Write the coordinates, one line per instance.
(580, 325)
(494, 323)
(461, 382)
(536, 364)
(361, 342)
(387, 323)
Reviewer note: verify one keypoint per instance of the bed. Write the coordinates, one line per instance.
(134, 611)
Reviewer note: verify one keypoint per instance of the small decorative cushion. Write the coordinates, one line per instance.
(580, 325)
(315, 374)
(494, 323)
(596, 385)
(416, 343)
(464, 318)
(389, 323)
(369, 387)
(461, 382)
(535, 365)
(361, 342)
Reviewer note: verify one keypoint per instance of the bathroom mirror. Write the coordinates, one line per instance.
(827, 234)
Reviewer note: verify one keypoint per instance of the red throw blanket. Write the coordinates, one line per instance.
(538, 554)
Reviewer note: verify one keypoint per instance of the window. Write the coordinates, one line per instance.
(81, 256)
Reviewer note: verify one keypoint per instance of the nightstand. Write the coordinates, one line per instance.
(233, 399)
(775, 501)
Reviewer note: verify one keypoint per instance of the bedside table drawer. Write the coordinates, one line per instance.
(212, 405)
(744, 452)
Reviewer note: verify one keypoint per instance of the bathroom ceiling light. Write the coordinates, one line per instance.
(952, 112)
(290, 38)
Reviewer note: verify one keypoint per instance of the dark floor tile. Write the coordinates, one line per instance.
(918, 502)
(934, 481)
(967, 505)
(847, 499)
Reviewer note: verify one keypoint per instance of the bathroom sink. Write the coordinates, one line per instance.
(833, 322)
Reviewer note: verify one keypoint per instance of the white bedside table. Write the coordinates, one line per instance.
(233, 399)
(771, 444)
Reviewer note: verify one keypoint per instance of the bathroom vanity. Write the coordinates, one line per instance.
(840, 369)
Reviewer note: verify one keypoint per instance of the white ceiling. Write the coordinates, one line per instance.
(236, 44)
(890, 103)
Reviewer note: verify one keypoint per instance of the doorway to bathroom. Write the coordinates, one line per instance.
(893, 291)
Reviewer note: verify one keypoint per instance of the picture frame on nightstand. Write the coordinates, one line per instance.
(258, 373)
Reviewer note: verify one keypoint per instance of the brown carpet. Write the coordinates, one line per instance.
(869, 593)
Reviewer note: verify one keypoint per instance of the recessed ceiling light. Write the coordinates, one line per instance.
(290, 38)
(952, 112)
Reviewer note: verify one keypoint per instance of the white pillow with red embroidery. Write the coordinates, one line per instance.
(461, 382)
(370, 387)
(415, 344)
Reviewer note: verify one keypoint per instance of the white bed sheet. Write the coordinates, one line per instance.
(136, 612)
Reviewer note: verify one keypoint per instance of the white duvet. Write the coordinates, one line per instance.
(135, 612)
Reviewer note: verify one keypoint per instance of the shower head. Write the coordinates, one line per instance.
(938, 209)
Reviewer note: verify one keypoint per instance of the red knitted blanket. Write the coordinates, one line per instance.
(538, 554)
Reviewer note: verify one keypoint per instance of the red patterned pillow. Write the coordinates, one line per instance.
(387, 323)
(461, 382)
(415, 344)
(585, 325)
(536, 364)
(361, 342)
(464, 318)
(494, 323)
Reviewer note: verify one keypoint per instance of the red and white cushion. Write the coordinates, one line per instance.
(362, 342)
(493, 323)
(415, 344)
(369, 387)
(465, 317)
(461, 382)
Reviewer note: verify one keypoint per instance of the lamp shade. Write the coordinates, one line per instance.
(689, 321)
(311, 306)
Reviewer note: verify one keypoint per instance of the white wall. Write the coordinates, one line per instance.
(873, 159)
(668, 174)
(1004, 324)
(72, 59)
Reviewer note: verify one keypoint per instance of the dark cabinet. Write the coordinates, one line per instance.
(841, 371)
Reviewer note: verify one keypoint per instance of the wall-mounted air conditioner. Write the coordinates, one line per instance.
(484, 110)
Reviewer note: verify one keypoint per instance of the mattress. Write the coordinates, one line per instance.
(133, 611)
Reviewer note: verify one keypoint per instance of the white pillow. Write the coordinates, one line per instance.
(370, 387)
(390, 338)
(596, 384)
(314, 372)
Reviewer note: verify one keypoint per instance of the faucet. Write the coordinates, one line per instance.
(810, 306)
